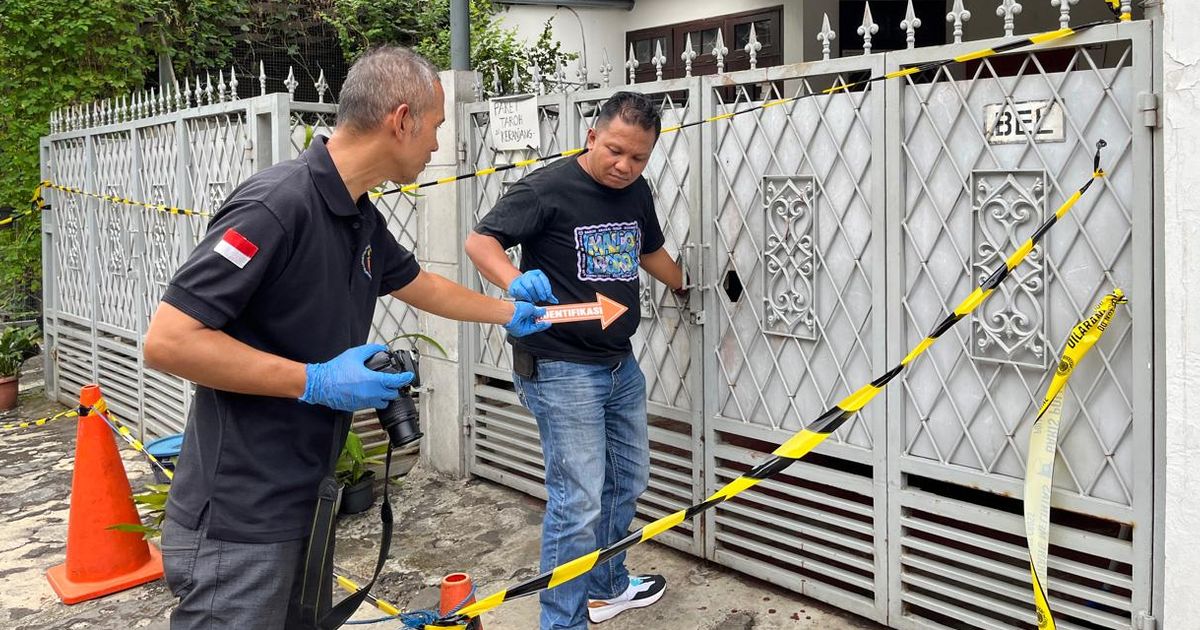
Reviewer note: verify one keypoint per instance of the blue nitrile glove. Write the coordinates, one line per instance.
(344, 382)
(525, 320)
(532, 286)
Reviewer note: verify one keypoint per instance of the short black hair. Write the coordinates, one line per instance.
(634, 108)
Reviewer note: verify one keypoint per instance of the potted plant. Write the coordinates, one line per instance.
(358, 490)
(17, 343)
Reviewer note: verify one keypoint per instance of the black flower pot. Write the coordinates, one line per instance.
(360, 496)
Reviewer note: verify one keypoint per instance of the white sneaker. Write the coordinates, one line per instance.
(643, 590)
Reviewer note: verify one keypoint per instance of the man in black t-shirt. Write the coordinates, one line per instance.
(585, 226)
(268, 317)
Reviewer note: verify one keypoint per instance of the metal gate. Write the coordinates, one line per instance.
(504, 438)
(106, 264)
(827, 236)
(958, 424)
(795, 319)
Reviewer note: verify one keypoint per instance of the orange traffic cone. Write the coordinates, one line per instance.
(457, 591)
(100, 561)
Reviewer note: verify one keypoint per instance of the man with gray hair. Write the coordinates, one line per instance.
(268, 318)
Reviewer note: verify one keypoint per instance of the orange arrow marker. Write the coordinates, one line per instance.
(604, 309)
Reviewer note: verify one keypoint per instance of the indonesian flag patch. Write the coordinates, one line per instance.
(236, 248)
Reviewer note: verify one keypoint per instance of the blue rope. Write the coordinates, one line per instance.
(418, 619)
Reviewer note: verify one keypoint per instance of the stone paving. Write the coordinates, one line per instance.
(443, 525)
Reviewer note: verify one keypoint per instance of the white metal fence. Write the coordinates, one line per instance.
(900, 196)
(106, 264)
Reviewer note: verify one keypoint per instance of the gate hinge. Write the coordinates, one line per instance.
(462, 152)
(1148, 105)
(1145, 621)
(468, 421)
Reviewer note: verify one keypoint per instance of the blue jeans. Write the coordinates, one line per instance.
(592, 420)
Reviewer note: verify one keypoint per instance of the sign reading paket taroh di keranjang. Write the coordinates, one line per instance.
(514, 123)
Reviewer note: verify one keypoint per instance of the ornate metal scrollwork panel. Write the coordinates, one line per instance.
(789, 256)
(1010, 327)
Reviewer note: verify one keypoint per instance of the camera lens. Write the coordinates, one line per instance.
(399, 418)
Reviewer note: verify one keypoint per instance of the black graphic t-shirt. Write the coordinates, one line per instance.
(587, 238)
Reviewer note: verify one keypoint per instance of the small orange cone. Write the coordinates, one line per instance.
(457, 592)
(101, 561)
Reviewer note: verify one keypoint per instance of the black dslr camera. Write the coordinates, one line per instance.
(399, 418)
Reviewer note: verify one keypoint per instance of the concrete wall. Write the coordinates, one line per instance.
(443, 402)
(606, 28)
(1181, 266)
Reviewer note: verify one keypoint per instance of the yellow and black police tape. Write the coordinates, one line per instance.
(819, 429)
(1115, 7)
(351, 586)
(25, 424)
(12, 218)
(1019, 42)
(36, 205)
(1043, 444)
(101, 410)
(790, 451)
(157, 207)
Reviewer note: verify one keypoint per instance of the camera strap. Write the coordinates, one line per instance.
(317, 587)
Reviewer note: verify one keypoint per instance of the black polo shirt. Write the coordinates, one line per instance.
(290, 265)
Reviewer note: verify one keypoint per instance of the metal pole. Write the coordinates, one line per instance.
(460, 35)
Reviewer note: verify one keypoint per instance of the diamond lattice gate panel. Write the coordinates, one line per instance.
(970, 185)
(668, 333)
(795, 279)
(166, 239)
(827, 236)
(504, 444)
(107, 264)
(392, 317)
(504, 438)
(68, 311)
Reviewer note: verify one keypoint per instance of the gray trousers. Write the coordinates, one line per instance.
(222, 584)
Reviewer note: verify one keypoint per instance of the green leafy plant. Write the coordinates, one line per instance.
(424, 26)
(17, 344)
(154, 505)
(354, 460)
(54, 53)
(199, 35)
(57, 53)
(420, 337)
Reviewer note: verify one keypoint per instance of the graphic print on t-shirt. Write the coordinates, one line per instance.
(608, 252)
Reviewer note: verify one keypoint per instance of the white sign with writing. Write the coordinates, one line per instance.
(1010, 124)
(514, 123)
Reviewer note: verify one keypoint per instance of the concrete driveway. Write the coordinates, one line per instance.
(442, 525)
